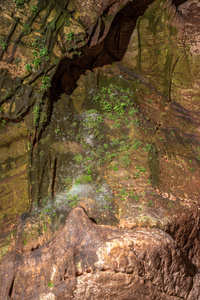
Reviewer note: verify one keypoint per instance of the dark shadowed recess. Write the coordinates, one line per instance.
(111, 49)
(185, 231)
(179, 2)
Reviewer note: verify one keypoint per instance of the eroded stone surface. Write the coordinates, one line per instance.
(140, 168)
(85, 260)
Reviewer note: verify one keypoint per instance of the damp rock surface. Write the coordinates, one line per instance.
(85, 260)
(99, 109)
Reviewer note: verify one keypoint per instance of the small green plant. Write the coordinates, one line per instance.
(34, 9)
(78, 137)
(125, 161)
(50, 284)
(4, 122)
(70, 36)
(20, 3)
(88, 170)
(105, 146)
(83, 179)
(98, 135)
(28, 67)
(74, 124)
(46, 83)
(44, 52)
(35, 43)
(45, 199)
(26, 29)
(68, 182)
(73, 201)
(109, 156)
(57, 131)
(36, 62)
(132, 111)
(115, 167)
(115, 102)
(136, 144)
(107, 207)
(39, 56)
(137, 175)
(134, 197)
(43, 117)
(36, 113)
(147, 147)
(123, 192)
(35, 53)
(3, 44)
(78, 158)
(115, 142)
(136, 122)
(170, 204)
(25, 242)
(141, 169)
(150, 203)
(124, 145)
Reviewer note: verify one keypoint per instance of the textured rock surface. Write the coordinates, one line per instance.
(57, 42)
(100, 109)
(89, 261)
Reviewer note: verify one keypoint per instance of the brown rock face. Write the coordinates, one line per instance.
(86, 261)
(99, 110)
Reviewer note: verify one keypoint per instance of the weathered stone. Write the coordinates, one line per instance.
(120, 140)
(85, 260)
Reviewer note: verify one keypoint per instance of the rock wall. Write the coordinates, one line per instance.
(88, 261)
(100, 109)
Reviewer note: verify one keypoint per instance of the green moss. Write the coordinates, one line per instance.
(83, 179)
(154, 166)
(13, 164)
(167, 73)
(60, 21)
(139, 44)
(181, 73)
(173, 31)
(152, 22)
(20, 3)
